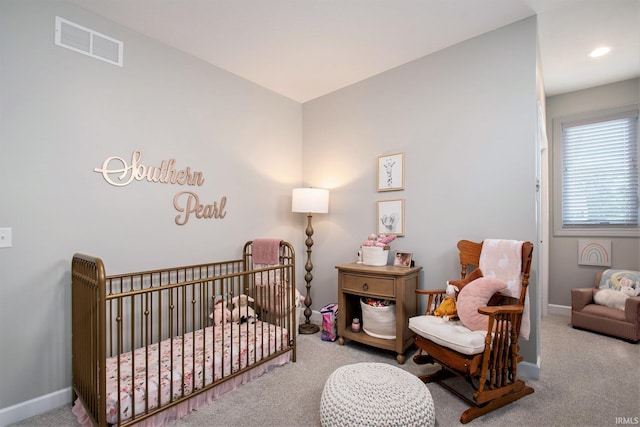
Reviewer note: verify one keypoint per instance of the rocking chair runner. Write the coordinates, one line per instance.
(491, 367)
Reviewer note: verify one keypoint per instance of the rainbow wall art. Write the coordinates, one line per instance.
(594, 252)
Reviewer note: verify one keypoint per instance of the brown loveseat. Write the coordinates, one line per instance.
(586, 314)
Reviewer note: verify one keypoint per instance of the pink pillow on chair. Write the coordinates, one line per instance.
(477, 294)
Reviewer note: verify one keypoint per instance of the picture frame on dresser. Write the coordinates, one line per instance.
(391, 172)
(403, 259)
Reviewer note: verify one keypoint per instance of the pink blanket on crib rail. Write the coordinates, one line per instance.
(266, 251)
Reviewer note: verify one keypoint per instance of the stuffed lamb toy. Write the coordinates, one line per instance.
(241, 310)
(614, 298)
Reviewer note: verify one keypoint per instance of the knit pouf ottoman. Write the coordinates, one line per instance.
(375, 394)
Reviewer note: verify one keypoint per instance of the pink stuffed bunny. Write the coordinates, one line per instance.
(221, 314)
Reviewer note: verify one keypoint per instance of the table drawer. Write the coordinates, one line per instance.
(377, 286)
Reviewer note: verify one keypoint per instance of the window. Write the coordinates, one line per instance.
(596, 174)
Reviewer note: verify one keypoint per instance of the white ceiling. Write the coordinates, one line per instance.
(304, 49)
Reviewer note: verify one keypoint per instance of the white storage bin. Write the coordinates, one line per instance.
(374, 255)
(379, 322)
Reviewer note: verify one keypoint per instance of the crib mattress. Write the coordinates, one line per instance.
(159, 373)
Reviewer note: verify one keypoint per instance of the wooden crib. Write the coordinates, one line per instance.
(146, 350)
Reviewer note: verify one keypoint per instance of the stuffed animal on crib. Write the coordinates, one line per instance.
(241, 310)
(447, 308)
(221, 314)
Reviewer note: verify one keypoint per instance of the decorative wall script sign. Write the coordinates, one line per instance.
(189, 203)
(117, 172)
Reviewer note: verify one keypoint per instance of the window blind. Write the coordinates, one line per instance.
(600, 173)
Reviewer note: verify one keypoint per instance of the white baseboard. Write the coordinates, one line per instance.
(316, 318)
(33, 407)
(562, 310)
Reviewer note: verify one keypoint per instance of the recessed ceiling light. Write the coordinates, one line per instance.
(600, 51)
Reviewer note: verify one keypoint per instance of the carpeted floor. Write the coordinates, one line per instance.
(586, 380)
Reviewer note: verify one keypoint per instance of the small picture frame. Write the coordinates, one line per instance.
(391, 172)
(403, 259)
(390, 217)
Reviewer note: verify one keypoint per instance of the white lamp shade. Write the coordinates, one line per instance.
(310, 200)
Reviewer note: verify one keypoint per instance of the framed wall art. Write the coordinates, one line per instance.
(391, 217)
(594, 252)
(391, 172)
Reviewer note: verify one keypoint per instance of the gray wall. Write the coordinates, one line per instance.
(564, 271)
(62, 114)
(466, 119)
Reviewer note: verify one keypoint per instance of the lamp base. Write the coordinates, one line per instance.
(308, 328)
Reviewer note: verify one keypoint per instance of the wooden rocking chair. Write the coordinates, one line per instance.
(491, 363)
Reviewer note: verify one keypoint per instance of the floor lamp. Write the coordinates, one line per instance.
(309, 200)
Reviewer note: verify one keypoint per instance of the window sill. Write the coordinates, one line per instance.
(597, 232)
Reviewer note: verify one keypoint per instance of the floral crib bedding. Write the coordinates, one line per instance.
(210, 354)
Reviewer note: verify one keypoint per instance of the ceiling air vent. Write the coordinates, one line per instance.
(83, 40)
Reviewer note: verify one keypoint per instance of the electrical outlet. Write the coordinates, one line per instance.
(5, 238)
